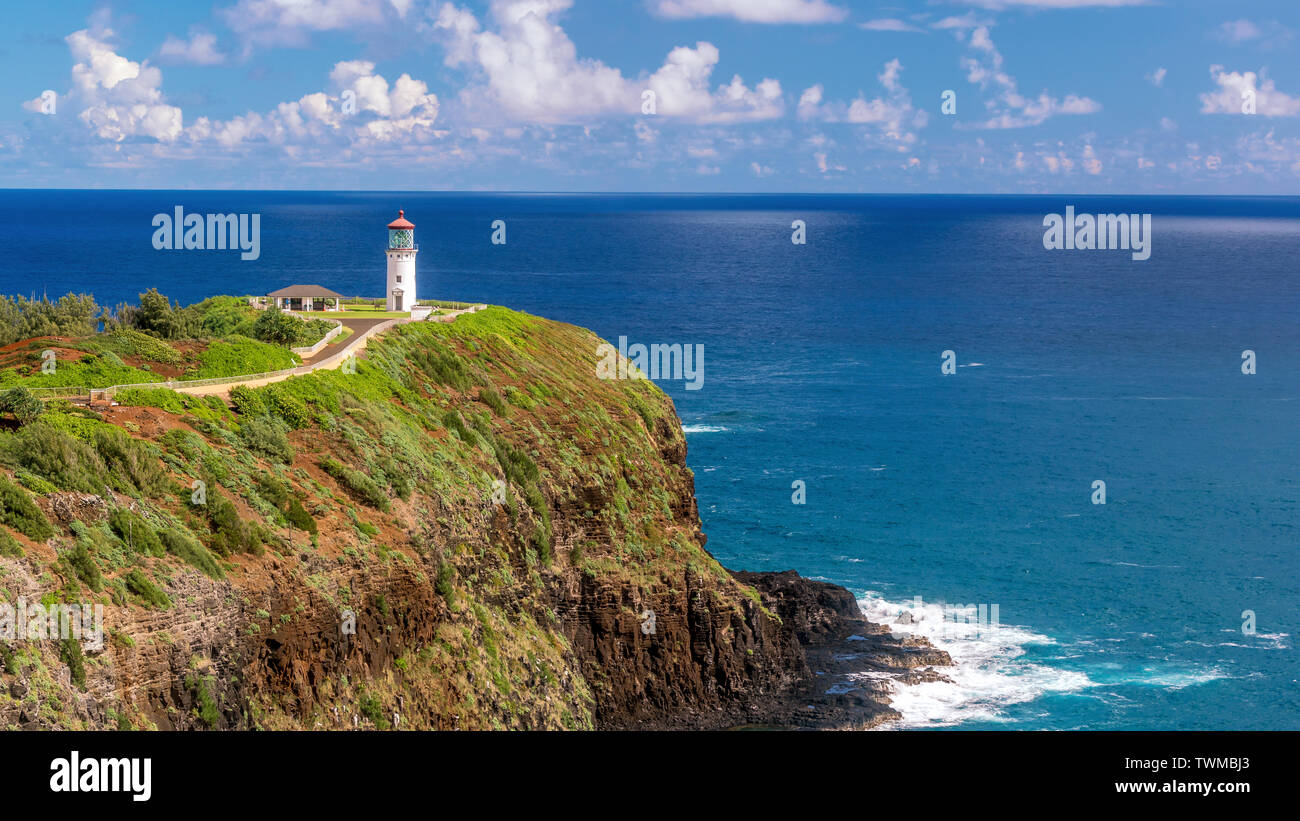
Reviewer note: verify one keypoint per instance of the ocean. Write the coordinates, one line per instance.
(1173, 605)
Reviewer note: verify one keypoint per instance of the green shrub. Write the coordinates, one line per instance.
(130, 342)
(230, 533)
(542, 534)
(446, 573)
(493, 400)
(161, 398)
(358, 483)
(135, 532)
(445, 367)
(70, 652)
(371, 708)
(19, 512)
(9, 545)
(141, 585)
(207, 709)
(272, 490)
(520, 399)
(265, 435)
(299, 517)
(54, 455)
(34, 483)
(22, 403)
(184, 547)
(452, 421)
(248, 401)
(83, 565)
(288, 407)
(240, 356)
(131, 464)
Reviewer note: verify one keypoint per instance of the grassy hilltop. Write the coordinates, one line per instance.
(153, 342)
(496, 519)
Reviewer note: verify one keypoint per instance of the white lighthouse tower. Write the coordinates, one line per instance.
(401, 253)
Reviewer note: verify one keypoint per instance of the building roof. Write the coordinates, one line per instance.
(305, 290)
(401, 221)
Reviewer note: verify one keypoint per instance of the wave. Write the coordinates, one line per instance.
(989, 673)
(704, 429)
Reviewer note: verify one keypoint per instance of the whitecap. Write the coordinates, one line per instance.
(989, 673)
(703, 429)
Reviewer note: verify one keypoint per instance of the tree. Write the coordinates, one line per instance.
(22, 403)
(157, 316)
(277, 327)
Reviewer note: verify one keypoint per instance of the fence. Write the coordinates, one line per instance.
(312, 350)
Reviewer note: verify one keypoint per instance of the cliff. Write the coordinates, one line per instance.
(471, 531)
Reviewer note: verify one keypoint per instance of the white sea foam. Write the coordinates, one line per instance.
(989, 673)
(703, 429)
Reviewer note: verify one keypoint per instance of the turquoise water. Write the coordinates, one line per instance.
(822, 364)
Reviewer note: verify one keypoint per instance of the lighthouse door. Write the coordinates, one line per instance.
(397, 302)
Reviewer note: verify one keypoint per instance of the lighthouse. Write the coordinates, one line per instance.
(401, 253)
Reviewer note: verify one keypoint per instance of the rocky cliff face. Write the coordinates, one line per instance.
(472, 531)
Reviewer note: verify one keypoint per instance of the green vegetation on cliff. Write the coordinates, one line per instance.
(493, 516)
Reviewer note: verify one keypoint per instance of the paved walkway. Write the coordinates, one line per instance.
(330, 357)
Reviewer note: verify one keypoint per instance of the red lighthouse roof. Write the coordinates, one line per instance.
(401, 221)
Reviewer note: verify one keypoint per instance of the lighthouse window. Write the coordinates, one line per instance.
(399, 278)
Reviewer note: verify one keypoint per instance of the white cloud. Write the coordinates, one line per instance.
(1091, 163)
(288, 22)
(753, 11)
(1055, 4)
(118, 98)
(960, 25)
(1238, 32)
(363, 108)
(889, 24)
(1157, 77)
(892, 113)
(533, 73)
(1233, 86)
(200, 50)
(1008, 107)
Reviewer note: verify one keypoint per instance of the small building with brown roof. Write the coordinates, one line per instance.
(302, 298)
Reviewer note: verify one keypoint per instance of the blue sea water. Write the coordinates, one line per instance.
(822, 364)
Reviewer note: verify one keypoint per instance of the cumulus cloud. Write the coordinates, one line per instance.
(1008, 108)
(892, 113)
(753, 11)
(1235, 87)
(532, 72)
(200, 50)
(362, 107)
(117, 98)
(1157, 77)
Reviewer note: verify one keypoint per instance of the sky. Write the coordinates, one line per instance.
(932, 96)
